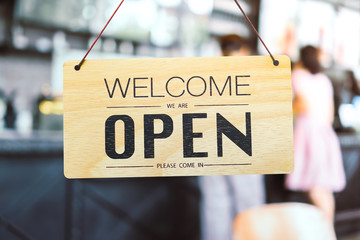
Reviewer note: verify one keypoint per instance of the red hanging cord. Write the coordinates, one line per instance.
(275, 62)
(77, 67)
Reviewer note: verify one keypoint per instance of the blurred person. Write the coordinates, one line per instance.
(350, 88)
(318, 163)
(352, 84)
(10, 114)
(224, 197)
(346, 92)
(2, 109)
(234, 45)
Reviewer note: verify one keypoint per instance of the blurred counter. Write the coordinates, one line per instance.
(12, 142)
(349, 140)
(38, 202)
(37, 142)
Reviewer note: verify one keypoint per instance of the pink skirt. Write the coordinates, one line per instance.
(317, 157)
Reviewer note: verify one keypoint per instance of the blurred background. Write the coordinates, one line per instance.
(37, 37)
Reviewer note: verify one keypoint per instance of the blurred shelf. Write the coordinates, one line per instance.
(349, 140)
(30, 52)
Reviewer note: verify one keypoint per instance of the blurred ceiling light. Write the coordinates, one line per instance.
(223, 27)
(59, 40)
(169, 3)
(20, 41)
(89, 12)
(164, 32)
(348, 115)
(147, 15)
(97, 46)
(134, 20)
(201, 7)
(230, 6)
(126, 47)
(43, 45)
(109, 45)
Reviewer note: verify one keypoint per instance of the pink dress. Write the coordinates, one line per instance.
(317, 154)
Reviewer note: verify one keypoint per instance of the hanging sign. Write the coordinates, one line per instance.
(177, 117)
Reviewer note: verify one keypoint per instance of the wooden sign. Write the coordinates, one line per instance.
(177, 117)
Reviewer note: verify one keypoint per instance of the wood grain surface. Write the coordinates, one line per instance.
(178, 117)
